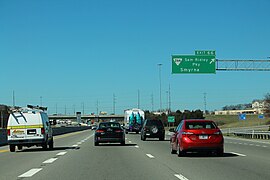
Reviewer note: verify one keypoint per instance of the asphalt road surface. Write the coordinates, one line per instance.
(76, 157)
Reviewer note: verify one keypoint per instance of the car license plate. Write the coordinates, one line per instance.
(203, 137)
(147, 134)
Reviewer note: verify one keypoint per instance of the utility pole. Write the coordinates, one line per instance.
(160, 102)
(13, 98)
(169, 98)
(204, 97)
(83, 108)
(41, 101)
(114, 101)
(152, 101)
(138, 99)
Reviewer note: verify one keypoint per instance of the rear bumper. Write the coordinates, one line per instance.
(105, 140)
(202, 146)
(27, 142)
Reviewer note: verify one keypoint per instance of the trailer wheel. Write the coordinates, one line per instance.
(12, 148)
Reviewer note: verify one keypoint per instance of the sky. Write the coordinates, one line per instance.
(94, 55)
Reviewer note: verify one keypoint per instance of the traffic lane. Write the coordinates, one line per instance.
(204, 166)
(15, 163)
(107, 161)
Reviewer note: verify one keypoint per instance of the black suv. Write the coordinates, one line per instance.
(153, 129)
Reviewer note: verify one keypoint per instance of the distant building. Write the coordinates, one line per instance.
(258, 107)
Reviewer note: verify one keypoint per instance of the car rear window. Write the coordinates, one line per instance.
(154, 122)
(200, 125)
(111, 125)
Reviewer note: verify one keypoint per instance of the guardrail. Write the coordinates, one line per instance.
(255, 132)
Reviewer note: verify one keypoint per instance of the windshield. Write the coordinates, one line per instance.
(200, 125)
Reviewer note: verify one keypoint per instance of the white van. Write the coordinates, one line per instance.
(28, 127)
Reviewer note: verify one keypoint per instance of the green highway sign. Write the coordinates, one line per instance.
(171, 119)
(193, 64)
(206, 53)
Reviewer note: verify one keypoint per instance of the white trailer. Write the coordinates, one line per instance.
(133, 120)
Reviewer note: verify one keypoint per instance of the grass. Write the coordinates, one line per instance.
(229, 121)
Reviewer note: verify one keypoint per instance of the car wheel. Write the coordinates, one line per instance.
(44, 146)
(12, 148)
(137, 132)
(123, 143)
(51, 144)
(161, 138)
(143, 138)
(173, 151)
(180, 153)
(19, 147)
(220, 152)
(96, 143)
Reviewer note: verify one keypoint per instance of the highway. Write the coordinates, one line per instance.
(76, 157)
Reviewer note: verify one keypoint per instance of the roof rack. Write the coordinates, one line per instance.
(29, 107)
(37, 107)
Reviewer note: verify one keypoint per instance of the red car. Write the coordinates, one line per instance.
(197, 135)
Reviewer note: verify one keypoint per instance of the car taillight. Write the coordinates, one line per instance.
(99, 131)
(8, 132)
(118, 131)
(42, 131)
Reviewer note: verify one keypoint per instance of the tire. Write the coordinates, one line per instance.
(45, 146)
(20, 147)
(12, 148)
(123, 143)
(173, 151)
(220, 152)
(143, 138)
(137, 132)
(161, 138)
(181, 153)
(51, 144)
(96, 144)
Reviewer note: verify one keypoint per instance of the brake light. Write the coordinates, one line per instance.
(100, 131)
(42, 131)
(8, 132)
(118, 131)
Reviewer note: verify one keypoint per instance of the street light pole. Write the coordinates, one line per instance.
(160, 105)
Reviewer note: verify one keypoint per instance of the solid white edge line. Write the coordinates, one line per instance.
(61, 154)
(30, 173)
(180, 176)
(150, 156)
(238, 154)
(75, 145)
(50, 161)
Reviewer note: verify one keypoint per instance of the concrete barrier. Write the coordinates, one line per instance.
(56, 131)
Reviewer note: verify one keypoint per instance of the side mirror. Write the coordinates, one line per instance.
(171, 130)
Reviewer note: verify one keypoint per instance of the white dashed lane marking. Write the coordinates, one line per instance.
(136, 146)
(30, 173)
(150, 156)
(61, 154)
(75, 145)
(181, 177)
(238, 154)
(49, 161)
